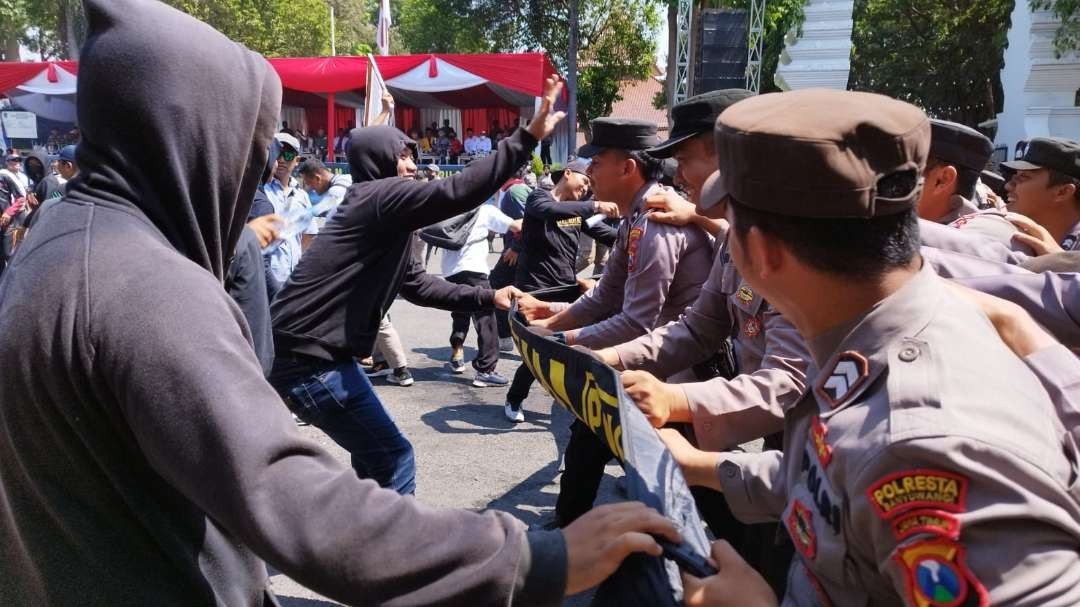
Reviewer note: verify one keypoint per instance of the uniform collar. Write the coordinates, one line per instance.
(852, 355)
(1071, 242)
(958, 207)
(638, 202)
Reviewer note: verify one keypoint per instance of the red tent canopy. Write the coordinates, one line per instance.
(498, 84)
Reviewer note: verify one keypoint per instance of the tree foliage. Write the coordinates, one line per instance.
(945, 57)
(274, 28)
(1067, 36)
(616, 37)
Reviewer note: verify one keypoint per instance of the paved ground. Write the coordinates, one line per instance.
(468, 455)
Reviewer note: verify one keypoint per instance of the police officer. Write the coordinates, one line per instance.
(958, 154)
(729, 409)
(906, 461)
(1046, 188)
(654, 272)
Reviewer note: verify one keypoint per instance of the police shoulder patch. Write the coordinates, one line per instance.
(927, 520)
(848, 373)
(752, 327)
(917, 488)
(818, 440)
(937, 576)
(800, 526)
(632, 242)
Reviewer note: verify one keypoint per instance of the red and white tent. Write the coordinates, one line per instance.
(47, 89)
(471, 91)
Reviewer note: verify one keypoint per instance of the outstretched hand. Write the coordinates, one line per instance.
(544, 122)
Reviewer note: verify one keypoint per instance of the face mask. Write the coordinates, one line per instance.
(314, 196)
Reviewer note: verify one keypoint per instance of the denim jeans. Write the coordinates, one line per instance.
(337, 398)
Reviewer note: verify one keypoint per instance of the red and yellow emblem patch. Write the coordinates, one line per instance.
(632, 248)
(800, 524)
(937, 576)
(752, 328)
(745, 294)
(817, 438)
(920, 488)
(934, 522)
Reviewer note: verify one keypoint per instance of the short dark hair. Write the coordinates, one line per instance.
(1059, 178)
(855, 248)
(311, 167)
(648, 167)
(966, 179)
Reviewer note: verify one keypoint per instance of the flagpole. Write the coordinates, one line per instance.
(333, 42)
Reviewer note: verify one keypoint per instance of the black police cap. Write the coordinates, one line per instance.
(959, 145)
(695, 116)
(628, 134)
(1061, 155)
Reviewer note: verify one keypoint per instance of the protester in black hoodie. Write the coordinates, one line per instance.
(327, 314)
(144, 460)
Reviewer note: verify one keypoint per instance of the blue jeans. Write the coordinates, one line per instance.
(337, 398)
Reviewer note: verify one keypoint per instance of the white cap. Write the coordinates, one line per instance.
(289, 140)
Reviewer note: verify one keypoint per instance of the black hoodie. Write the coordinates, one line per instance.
(331, 306)
(144, 459)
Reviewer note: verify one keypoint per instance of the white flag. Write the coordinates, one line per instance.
(382, 32)
(376, 89)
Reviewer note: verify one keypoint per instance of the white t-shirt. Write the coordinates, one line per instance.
(473, 256)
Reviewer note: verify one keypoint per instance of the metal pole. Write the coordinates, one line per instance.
(683, 23)
(755, 45)
(330, 127)
(571, 80)
(333, 41)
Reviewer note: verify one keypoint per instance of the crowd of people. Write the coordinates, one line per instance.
(831, 273)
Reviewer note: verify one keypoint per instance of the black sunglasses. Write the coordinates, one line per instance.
(287, 155)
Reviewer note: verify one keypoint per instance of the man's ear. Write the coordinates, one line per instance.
(947, 177)
(1066, 191)
(768, 253)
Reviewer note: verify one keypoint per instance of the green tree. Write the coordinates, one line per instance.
(1067, 36)
(423, 26)
(13, 24)
(945, 57)
(616, 41)
(275, 28)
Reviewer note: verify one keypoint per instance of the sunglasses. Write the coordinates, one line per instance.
(287, 155)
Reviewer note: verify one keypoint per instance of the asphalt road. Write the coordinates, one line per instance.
(467, 454)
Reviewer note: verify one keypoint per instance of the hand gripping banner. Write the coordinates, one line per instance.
(593, 393)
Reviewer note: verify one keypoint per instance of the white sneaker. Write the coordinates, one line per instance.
(506, 344)
(513, 414)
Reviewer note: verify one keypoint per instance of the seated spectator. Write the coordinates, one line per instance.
(483, 144)
(470, 141)
(456, 148)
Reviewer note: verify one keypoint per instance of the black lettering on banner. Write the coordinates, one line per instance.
(584, 386)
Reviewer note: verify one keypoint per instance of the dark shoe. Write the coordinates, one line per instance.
(401, 377)
(379, 369)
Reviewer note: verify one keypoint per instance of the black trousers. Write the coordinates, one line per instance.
(487, 339)
(519, 388)
(583, 469)
(502, 275)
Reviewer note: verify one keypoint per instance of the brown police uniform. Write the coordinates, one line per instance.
(910, 475)
(962, 147)
(771, 356)
(654, 272)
